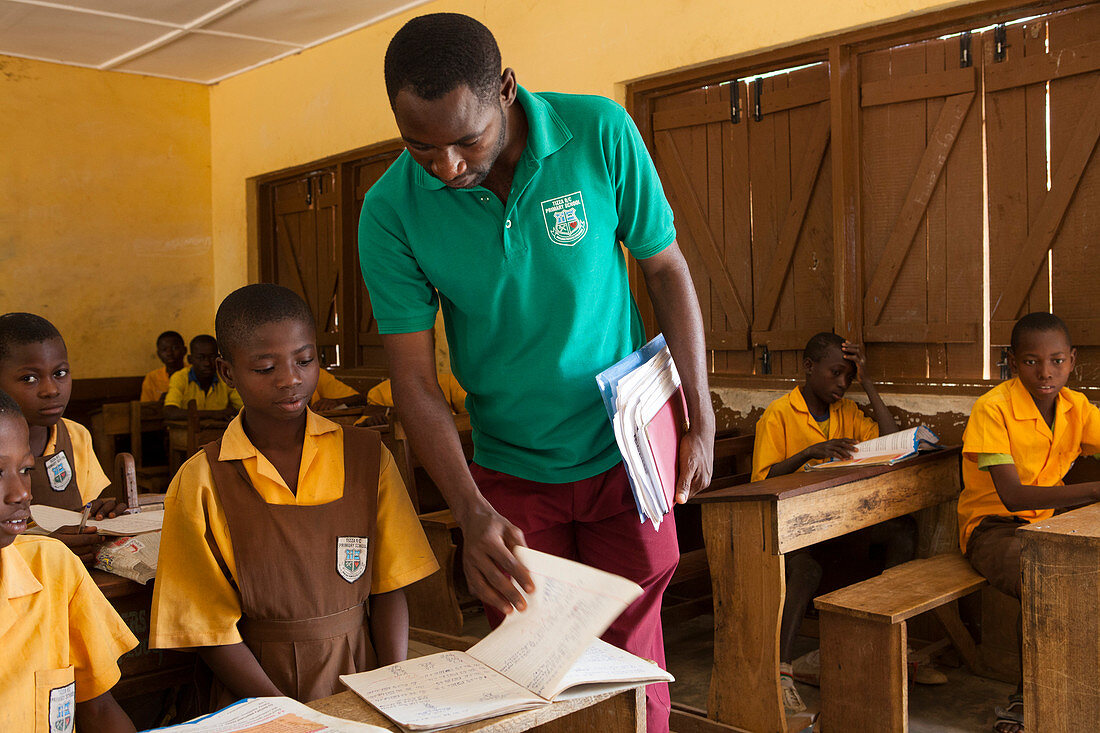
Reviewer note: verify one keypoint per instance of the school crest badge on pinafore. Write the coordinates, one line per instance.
(59, 472)
(62, 708)
(351, 557)
(566, 223)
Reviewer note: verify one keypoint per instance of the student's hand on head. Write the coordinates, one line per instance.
(829, 449)
(696, 463)
(105, 508)
(490, 563)
(83, 544)
(853, 352)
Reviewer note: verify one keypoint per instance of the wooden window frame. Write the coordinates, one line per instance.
(346, 232)
(841, 51)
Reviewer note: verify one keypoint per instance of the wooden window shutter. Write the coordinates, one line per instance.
(790, 171)
(920, 144)
(702, 158)
(1043, 240)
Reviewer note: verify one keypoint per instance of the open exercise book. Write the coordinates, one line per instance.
(50, 518)
(269, 715)
(533, 658)
(888, 449)
(645, 402)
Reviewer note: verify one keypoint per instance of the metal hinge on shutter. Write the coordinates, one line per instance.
(735, 101)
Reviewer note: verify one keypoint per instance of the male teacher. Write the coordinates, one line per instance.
(507, 209)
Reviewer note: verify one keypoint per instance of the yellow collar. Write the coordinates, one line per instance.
(1024, 407)
(236, 446)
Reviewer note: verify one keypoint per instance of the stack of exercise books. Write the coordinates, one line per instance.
(888, 449)
(645, 403)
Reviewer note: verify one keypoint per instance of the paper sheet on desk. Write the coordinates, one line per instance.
(50, 518)
(270, 715)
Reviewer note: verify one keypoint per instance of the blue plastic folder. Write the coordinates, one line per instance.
(608, 381)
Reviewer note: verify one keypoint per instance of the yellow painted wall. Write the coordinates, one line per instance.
(331, 99)
(105, 209)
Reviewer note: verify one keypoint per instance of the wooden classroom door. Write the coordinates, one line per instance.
(920, 138)
(702, 159)
(306, 251)
(368, 343)
(1043, 110)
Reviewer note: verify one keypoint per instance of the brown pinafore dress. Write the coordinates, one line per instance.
(304, 573)
(53, 478)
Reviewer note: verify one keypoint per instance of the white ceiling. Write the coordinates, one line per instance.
(193, 40)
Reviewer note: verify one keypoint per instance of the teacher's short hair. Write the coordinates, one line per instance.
(435, 54)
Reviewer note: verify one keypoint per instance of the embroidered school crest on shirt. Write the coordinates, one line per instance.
(351, 557)
(566, 223)
(58, 471)
(62, 708)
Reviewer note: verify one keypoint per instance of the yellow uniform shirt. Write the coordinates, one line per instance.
(89, 475)
(787, 427)
(382, 393)
(331, 388)
(60, 636)
(1006, 420)
(195, 604)
(182, 388)
(154, 385)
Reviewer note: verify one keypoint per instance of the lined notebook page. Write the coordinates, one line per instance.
(440, 690)
(50, 518)
(572, 605)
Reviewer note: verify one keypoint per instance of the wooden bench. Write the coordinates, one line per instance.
(864, 640)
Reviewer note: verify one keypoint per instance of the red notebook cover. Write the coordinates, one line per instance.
(663, 434)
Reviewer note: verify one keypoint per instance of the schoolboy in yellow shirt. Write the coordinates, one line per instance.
(1020, 441)
(289, 528)
(60, 636)
(212, 396)
(34, 370)
(171, 351)
(811, 424)
(382, 393)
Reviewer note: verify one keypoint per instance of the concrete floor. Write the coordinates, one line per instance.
(964, 705)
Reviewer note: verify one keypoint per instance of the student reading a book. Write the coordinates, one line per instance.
(1020, 441)
(171, 350)
(61, 638)
(814, 422)
(34, 370)
(296, 534)
(507, 210)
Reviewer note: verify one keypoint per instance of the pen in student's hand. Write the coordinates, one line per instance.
(84, 517)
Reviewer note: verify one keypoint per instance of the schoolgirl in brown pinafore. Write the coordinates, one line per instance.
(53, 478)
(304, 573)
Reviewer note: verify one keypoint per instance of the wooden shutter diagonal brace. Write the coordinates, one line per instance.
(1041, 234)
(928, 173)
(671, 162)
(792, 221)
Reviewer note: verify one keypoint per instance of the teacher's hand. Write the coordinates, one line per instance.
(489, 561)
(696, 464)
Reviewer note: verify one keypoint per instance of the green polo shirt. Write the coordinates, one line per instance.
(534, 293)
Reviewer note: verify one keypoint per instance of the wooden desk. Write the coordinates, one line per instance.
(1061, 592)
(607, 712)
(748, 528)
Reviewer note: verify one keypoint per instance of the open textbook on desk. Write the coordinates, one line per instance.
(887, 449)
(531, 659)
